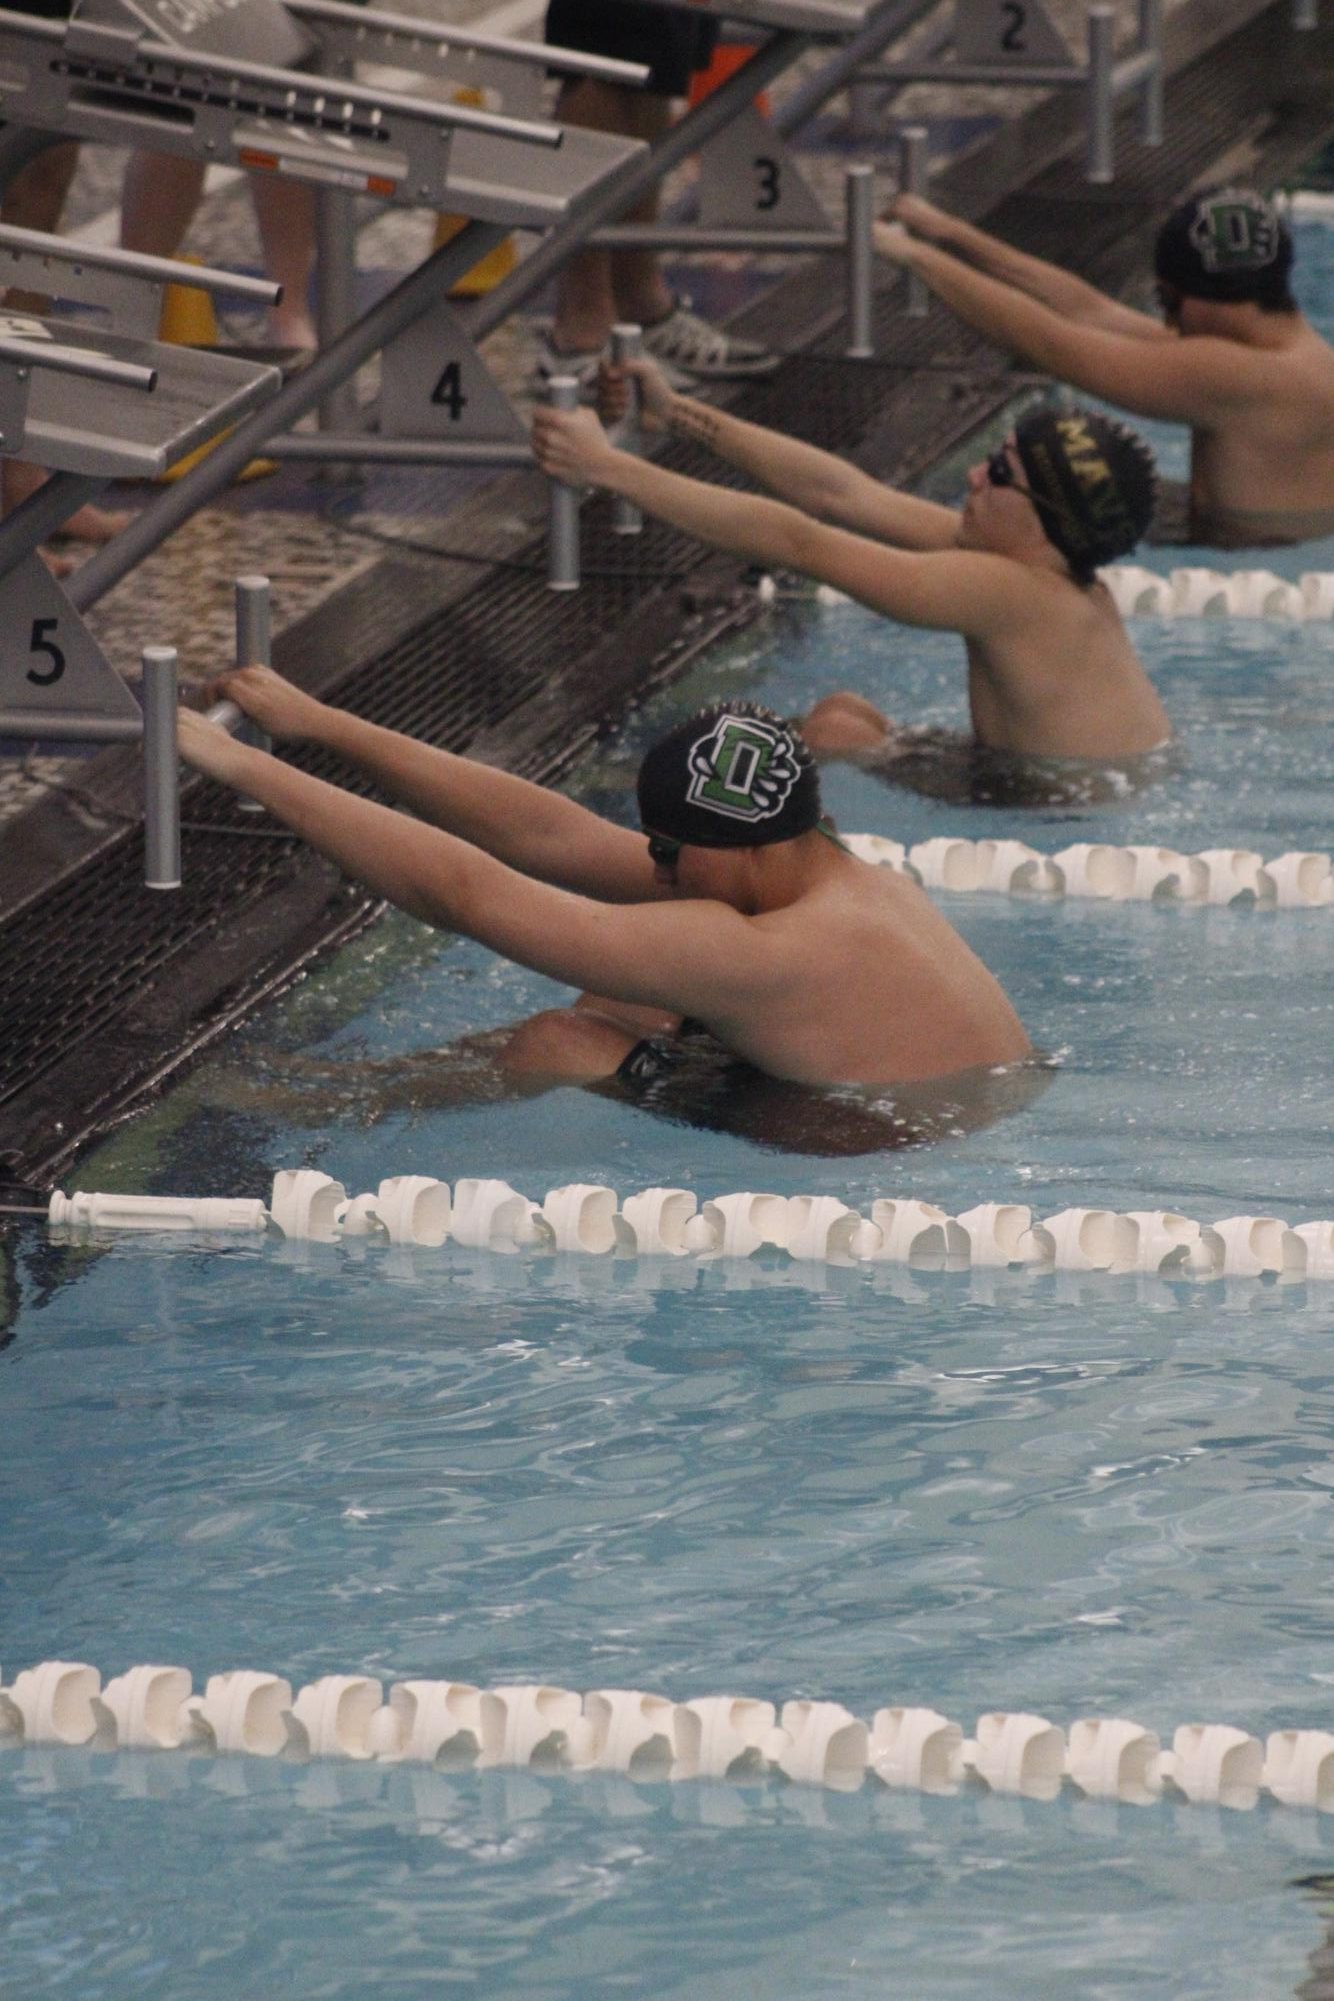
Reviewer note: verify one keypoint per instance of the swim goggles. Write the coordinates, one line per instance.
(1000, 472)
(663, 851)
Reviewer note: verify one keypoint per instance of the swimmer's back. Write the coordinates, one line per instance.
(871, 985)
(1275, 452)
(1065, 681)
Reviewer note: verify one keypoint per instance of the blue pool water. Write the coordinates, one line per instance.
(1080, 1496)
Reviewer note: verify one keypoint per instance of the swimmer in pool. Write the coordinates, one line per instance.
(736, 917)
(1053, 679)
(1232, 356)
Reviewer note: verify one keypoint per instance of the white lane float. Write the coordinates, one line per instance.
(1200, 592)
(588, 1219)
(649, 1737)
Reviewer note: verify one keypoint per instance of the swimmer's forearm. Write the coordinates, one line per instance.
(1034, 276)
(1008, 316)
(522, 824)
(425, 871)
(744, 524)
(816, 481)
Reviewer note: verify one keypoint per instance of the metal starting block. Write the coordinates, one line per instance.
(94, 404)
(108, 76)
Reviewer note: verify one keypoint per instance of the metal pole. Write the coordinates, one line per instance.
(1102, 58)
(1151, 93)
(176, 503)
(254, 648)
(162, 774)
(860, 200)
(254, 630)
(369, 448)
(885, 24)
(563, 534)
(864, 101)
(627, 344)
(912, 181)
(335, 293)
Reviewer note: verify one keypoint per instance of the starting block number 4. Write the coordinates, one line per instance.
(1006, 31)
(434, 384)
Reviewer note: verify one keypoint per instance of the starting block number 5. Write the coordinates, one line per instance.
(43, 641)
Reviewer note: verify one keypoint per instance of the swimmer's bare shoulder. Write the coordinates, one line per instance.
(872, 986)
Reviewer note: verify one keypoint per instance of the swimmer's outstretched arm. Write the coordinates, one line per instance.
(1067, 295)
(528, 827)
(953, 589)
(1200, 381)
(818, 482)
(692, 957)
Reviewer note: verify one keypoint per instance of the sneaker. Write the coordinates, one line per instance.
(708, 353)
(582, 365)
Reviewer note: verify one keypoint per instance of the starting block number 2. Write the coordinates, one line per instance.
(1006, 31)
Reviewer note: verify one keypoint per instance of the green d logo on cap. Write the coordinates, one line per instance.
(744, 769)
(1235, 232)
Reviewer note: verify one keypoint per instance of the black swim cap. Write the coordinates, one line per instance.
(1093, 480)
(1228, 244)
(733, 776)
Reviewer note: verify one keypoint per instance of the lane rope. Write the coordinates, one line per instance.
(1301, 879)
(590, 1219)
(541, 1727)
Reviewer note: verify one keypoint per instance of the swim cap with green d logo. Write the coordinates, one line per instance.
(733, 776)
(743, 767)
(1228, 244)
(1235, 231)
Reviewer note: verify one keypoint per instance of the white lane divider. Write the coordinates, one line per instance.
(1301, 879)
(590, 1220)
(1190, 591)
(647, 1736)
(1198, 592)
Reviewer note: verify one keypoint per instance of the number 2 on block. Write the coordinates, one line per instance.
(1016, 18)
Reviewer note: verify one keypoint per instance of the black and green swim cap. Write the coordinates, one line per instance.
(1227, 244)
(733, 776)
(1093, 481)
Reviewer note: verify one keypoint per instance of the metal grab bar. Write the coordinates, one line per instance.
(81, 361)
(605, 69)
(304, 82)
(334, 90)
(134, 264)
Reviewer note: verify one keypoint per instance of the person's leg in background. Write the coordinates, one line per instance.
(285, 212)
(161, 194)
(595, 288)
(35, 199)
